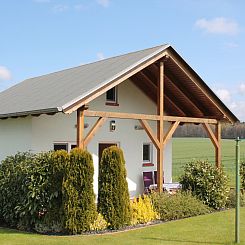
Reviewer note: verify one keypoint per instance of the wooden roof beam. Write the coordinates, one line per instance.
(196, 110)
(187, 93)
(155, 68)
(146, 76)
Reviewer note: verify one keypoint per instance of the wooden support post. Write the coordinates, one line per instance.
(80, 128)
(160, 132)
(218, 148)
(216, 140)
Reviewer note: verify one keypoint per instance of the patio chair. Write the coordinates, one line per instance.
(148, 180)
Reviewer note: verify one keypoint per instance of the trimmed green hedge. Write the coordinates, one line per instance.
(113, 195)
(79, 198)
(207, 182)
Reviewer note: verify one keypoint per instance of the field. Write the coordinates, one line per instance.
(186, 149)
(216, 228)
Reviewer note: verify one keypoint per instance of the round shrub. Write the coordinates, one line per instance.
(206, 182)
(79, 198)
(178, 206)
(113, 195)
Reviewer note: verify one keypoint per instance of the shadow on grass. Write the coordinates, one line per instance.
(181, 241)
(6, 231)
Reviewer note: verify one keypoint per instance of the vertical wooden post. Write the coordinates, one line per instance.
(80, 128)
(160, 111)
(218, 148)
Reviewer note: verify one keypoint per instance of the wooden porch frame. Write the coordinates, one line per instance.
(82, 141)
(215, 137)
(159, 139)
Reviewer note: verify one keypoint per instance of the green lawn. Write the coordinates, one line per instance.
(217, 228)
(186, 149)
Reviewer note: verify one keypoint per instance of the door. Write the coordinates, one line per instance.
(103, 146)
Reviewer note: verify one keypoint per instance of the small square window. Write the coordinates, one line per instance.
(73, 146)
(111, 95)
(147, 153)
(61, 146)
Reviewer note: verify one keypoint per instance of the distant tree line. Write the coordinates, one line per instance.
(228, 131)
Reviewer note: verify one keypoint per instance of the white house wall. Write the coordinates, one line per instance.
(40, 133)
(15, 135)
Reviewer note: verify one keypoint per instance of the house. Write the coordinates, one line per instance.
(135, 101)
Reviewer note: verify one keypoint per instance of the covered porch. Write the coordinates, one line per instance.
(180, 97)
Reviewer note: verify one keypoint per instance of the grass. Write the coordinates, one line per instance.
(186, 149)
(216, 228)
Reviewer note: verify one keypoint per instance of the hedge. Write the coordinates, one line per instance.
(113, 195)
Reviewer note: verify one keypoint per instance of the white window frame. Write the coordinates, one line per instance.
(150, 152)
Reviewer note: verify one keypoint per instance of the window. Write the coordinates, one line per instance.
(67, 146)
(147, 152)
(61, 146)
(111, 96)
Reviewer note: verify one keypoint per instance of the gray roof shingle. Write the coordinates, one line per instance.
(49, 93)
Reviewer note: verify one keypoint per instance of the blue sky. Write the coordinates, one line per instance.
(42, 36)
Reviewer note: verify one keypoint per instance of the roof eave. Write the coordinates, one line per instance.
(31, 113)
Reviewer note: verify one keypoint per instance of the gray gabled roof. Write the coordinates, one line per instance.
(52, 92)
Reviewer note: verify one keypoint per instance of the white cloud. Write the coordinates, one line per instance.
(238, 108)
(100, 56)
(242, 88)
(60, 8)
(5, 74)
(224, 95)
(103, 3)
(218, 25)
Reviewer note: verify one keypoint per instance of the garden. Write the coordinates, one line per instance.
(52, 193)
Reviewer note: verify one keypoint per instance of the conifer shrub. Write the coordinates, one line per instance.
(113, 195)
(206, 182)
(79, 198)
(142, 210)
